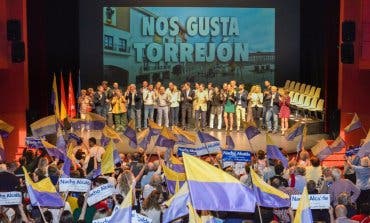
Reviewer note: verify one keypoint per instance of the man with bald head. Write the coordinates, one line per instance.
(271, 103)
(341, 213)
(151, 170)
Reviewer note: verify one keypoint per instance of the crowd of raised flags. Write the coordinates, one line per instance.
(191, 189)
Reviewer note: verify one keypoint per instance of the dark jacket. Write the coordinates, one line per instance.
(185, 102)
(138, 100)
(216, 99)
(275, 104)
(243, 98)
(99, 100)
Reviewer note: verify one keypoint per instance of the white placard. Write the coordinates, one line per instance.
(102, 220)
(74, 184)
(100, 193)
(317, 201)
(138, 218)
(10, 198)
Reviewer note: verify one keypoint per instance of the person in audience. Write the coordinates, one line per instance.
(299, 178)
(341, 185)
(149, 101)
(314, 171)
(241, 105)
(229, 108)
(363, 215)
(344, 199)
(271, 103)
(84, 104)
(163, 100)
(341, 215)
(119, 110)
(216, 108)
(187, 97)
(96, 152)
(200, 103)
(284, 113)
(152, 208)
(134, 100)
(175, 96)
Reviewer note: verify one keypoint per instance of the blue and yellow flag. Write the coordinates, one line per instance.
(303, 213)
(45, 126)
(174, 179)
(5, 129)
(154, 127)
(107, 161)
(266, 195)
(230, 145)
(166, 138)
(193, 215)
(177, 205)
(294, 131)
(42, 193)
(321, 149)
(176, 164)
(91, 122)
(205, 137)
(52, 150)
(124, 213)
(130, 133)
(337, 145)
(213, 189)
(112, 134)
(54, 97)
(355, 124)
(251, 130)
(183, 136)
(273, 152)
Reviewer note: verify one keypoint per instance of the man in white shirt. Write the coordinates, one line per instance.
(163, 100)
(148, 98)
(96, 153)
(200, 107)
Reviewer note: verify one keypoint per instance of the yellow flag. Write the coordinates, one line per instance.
(107, 161)
(193, 216)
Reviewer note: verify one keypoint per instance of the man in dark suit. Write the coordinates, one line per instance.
(186, 98)
(271, 103)
(100, 102)
(134, 104)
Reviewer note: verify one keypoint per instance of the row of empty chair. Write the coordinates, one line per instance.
(305, 98)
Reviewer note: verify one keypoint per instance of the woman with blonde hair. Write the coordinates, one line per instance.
(256, 101)
(174, 106)
(284, 113)
(229, 108)
(119, 110)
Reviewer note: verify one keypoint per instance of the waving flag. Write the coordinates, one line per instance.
(273, 152)
(61, 143)
(300, 145)
(337, 145)
(177, 205)
(215, 190)
(71, 99)
(173, 179)
(183, 136)
(303, 213)
(54, 97)
(42, 193)
(364, 150)
(205, 137)
(5, 129)
(144, 137)
(251, 131)
(267, 195)
(166, 138)
(51, 150)
(321, 149)
(63, 103)
(112, 134)
(91, 122)
(107, 161)
(45, 126)
(355, 124)
(154, 127)
(294, 131)
(124, 212)
(193, 215)
(176, 164)
(130, 133)
(230, 145)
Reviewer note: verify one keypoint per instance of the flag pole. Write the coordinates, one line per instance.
(42, 213)
(258, 206)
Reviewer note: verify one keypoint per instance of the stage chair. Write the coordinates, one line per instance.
(307, 90)
(294, 99)
(291, 86)
(301, 90)
(291, 95)
(317, 93)
(312, 92)
(286, 86)
(319, 109)
(300, 101)
(312, 105)
(296, 87)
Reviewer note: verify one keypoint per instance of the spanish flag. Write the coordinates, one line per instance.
(54, 97)
(63, 103)
(45, 126)
(124, 212)
(174, 179)
(303, 213)
(266, 195)
(42, 193)
(177, 205)
(215, 190)
(71, 99)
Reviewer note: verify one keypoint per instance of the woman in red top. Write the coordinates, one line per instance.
(284, 111)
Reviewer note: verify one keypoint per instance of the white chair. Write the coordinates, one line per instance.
(319, 109)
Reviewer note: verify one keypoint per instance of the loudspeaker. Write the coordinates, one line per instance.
(348, 31)
(347, 53)
(18, 51)
(13, 30)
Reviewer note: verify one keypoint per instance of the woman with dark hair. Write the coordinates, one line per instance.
(151, 207)
(66, 217)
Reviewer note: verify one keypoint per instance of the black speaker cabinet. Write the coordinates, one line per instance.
(13, 30)
(18, 51)
(347, 53)
(348, 31)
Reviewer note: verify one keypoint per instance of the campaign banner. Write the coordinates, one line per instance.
(102, 220)
(74, 184)
(100, 193)
(138, 218)
(208, 148)
(236, 156)
(317, 201)
(34, 142)
(10, 198)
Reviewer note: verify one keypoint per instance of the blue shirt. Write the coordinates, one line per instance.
(362, 177)
(146, 178)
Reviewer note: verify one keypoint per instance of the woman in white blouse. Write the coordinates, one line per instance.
(174, 106)
(256, 99)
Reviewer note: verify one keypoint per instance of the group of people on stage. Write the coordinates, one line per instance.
(349, 189)
(212, 106)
